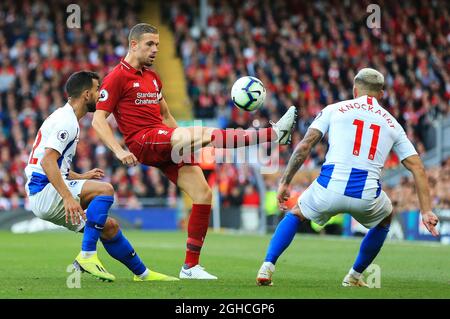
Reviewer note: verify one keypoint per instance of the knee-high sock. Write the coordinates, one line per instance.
(282, 237)
(197, 228)
(233, 138)
(120, 248)
(96, 215)
(370, 247)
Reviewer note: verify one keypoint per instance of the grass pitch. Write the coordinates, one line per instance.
(34, 266)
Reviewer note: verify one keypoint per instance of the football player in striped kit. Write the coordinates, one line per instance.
(361, 134)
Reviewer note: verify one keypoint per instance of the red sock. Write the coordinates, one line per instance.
(233, 138)
(197, 228)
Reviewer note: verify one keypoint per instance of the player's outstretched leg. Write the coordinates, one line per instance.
(370, 247)
(230, 138)
(96, 215)
(192, 181)
(188, 140)
(281, 239)
(118, 247)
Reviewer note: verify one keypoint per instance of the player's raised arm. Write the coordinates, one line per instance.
(414, 164)
(301, 152)
(168, 119)
(105, 133)
(318, 128)
(50, 166)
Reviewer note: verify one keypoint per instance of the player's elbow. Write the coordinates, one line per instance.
(414, 164)
(419, 169)
(45, 162)
(165, 114)
(167, 117)
(304, 148)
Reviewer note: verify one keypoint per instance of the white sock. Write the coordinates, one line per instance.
(87, 254)
(144, 274)
(270, 265)
(354, 273)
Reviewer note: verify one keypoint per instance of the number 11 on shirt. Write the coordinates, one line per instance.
(359, 132)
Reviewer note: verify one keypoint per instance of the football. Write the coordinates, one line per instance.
(248, 93)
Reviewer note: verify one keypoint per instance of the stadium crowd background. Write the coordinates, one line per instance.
(305, 53)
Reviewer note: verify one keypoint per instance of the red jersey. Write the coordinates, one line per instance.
(133, 97)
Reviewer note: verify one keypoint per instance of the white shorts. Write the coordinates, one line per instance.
(320, 204)
(48, 204)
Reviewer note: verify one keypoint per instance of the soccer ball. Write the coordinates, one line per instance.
(248, 93)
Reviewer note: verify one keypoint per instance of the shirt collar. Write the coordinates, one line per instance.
(68, 105)
(129, 68)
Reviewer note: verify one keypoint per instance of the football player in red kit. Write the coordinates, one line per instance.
(132, 92)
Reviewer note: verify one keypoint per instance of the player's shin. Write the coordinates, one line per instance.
(234, 138)
(282, 238)
(370, 247)
(120, 248)
(96, 215)
(197, 228)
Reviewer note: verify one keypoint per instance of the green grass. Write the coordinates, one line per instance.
(34, 266)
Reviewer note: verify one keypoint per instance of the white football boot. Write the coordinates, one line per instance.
(352, 281)
(264, 276)
(196, 272)
(283, 128)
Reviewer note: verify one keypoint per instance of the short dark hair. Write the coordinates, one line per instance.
(80, 81)
(139, 29)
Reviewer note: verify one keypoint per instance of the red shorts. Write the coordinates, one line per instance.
(152, 147)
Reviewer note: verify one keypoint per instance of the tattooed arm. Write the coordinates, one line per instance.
(301, 152)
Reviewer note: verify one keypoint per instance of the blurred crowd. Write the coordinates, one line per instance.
(306, 54)
(403, 196)
(38, 52)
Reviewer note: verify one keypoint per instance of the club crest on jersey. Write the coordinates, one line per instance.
(63, 135)
(103, 95)
(136, 84)
(162, 132)
(156, 85)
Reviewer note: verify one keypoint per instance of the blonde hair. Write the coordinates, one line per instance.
(369, 80)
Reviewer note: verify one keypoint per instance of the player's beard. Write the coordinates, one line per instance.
(147, 63)
(91, 106)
